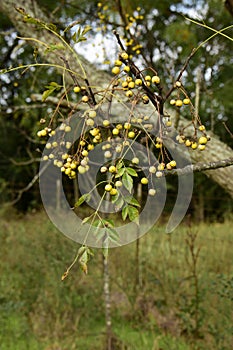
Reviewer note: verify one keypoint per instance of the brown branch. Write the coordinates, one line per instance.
(27, 162)
(198, 167)
(228, 130)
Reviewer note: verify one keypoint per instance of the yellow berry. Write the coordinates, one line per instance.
(161, 166)
(103, 169)
(186, 101)
(144, 181)
(173, 163)
(85, 99)
(129, 79)
(127, 69)
(178, 84)
(106, 122)
(135, 160)
(124, 55)
(138, 82)
(155, 79)
(124, 84)
(131, 84)
(74, 165)
(113, 192)
(90, 122)
(116, 70)
(107, 154)
(194, 145)
(118, 63)
(152, 192)
(119, 126)
(85, 153)
(82, 169)
(127, 125)
(67, 171)
(108, 187)
(129, 93)
(201, 147)
(202, 127)
(115, 131)
(169, 123)
(131, 134)
(48, 145)
(188, 143)
(67, 128)
(92, 114)
(94, 131)
(90, 147)
(76, 89)
(145, 99)
(64, 156)
(43, 132)
(82, 143)
(179, 103)
(148, 78)
(118, 183)
(203, 140)
(159, 174)
(112, 169)
(172, 102)
(152, 169)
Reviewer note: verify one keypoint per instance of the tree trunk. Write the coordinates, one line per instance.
(216, 150)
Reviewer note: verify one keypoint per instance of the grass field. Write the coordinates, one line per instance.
(182, 300)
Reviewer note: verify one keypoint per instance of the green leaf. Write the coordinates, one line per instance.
(108, 222)
(86, 29)
(119, 165)
(113, 234)
(85, 198)
(46, 94)
(114, 199)
(81, 250)
(120, 172)
(127, 181)
(54, 84)
(132, 201)
(74, 37)
(133, 214)
(119, 203)
(131, 171)
(84, 257)
(125, 212)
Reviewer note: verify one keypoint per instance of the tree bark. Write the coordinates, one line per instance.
(215, 151)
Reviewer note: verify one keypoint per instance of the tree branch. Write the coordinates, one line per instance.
(198, 167)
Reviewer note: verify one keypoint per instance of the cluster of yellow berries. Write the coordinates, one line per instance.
(195, 142)
(83, 90)
(129, 84)
(178, 102)
(45, 132)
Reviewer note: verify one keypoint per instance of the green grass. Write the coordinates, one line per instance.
(38, 311)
